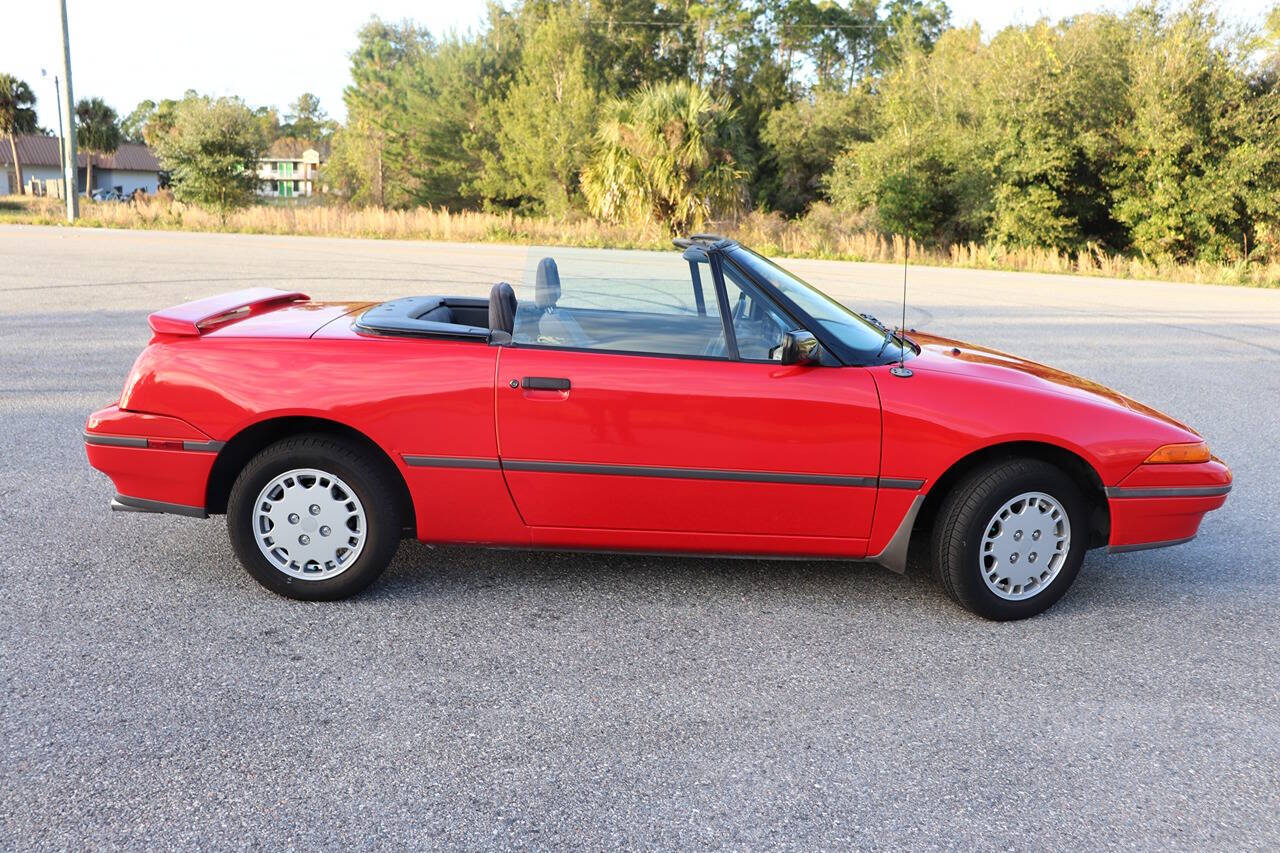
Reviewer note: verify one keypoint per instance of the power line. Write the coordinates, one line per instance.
(669, 25)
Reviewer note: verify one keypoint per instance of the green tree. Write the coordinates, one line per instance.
(1006, 141)
(211, 151)
(97, 132)
(268, 119)
(1199, 161)
(670, 154)
(801, 140)
(307, 120)
(376, 104)
(1268, 46)
(131, 127)
(159, 121)
(1051, 97)
(17, 115)
(923, 171)
(446, 130)
(544, 124)
(354, 163)
(620, 55)
(908, 24)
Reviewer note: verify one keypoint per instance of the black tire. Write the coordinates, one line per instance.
(360, 471)
(962, 523)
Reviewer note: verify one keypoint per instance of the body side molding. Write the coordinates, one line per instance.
(105, 440)
(1166, 491)
(734, 475)
(688, 473)
(417, 461)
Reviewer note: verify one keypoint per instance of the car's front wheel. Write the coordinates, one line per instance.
(1009, 538)
(313, 517)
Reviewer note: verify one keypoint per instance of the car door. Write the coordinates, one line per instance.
(677, 436)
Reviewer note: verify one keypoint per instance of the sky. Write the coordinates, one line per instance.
(269, 52)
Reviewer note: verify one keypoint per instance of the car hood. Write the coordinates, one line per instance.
(946, 355)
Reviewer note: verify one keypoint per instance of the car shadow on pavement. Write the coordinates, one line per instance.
(421, 573)
(425, 573)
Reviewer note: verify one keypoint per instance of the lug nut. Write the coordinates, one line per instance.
(324, 531)
(304, 539)
(1032, 557)
(314, 509)
(1013, 558)
(293, 518)
(1017, 535)
(1035, 534)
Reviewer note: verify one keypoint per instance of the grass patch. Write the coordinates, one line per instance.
(823, 233)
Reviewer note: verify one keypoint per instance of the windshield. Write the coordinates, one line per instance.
(853, 330)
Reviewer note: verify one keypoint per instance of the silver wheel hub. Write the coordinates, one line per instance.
(1024, 546)
(309, 524)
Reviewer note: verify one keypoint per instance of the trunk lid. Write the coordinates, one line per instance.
(259, 312)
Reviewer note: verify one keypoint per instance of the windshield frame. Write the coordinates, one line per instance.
(881, 347)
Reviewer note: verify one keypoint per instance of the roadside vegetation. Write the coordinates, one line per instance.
(823, 233)
(1143, 144)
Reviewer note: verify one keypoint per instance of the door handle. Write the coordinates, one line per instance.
(544, 383)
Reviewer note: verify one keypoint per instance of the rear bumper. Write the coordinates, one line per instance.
(1158, 506)
(157, 463)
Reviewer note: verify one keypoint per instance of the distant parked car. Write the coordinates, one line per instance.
(722, 408)
(105, 195)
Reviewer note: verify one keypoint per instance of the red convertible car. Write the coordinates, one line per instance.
(723, 407)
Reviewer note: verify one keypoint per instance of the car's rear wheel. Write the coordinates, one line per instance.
(1009, 538)
(313, 517)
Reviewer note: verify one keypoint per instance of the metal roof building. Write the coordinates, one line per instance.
(130, 167)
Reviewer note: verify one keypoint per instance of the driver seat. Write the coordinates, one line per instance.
(555, 326)
(502, 308)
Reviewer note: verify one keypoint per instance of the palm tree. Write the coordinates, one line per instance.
(17, 115)
(669, 152)
(98, 132)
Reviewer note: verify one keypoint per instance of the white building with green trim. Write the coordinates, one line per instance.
(291, 168)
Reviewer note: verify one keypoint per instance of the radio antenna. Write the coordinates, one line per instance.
(902, 370)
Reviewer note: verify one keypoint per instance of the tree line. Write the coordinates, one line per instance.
(1156, 131)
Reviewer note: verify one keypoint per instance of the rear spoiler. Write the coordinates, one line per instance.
(193, 318)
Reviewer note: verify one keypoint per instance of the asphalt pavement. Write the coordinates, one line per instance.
(153, 695)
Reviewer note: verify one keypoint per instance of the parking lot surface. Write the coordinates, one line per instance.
(152, 694)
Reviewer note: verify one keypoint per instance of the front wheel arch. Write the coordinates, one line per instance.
(251, 440)
(1082, 473)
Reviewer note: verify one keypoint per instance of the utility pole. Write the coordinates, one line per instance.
(69, 138)
(57, 96)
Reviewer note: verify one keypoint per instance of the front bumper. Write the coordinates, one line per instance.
(1157, 506)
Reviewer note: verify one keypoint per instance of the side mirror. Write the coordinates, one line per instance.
(799, 347)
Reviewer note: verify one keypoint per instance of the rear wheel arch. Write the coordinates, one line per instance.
(1082, 473)
(251, 440)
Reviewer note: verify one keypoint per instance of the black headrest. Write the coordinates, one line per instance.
(502, 308)
(546, 291)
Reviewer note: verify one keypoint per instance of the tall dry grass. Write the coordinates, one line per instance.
(823, 233)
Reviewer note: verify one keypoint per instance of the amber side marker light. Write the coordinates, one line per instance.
(1170, 453)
